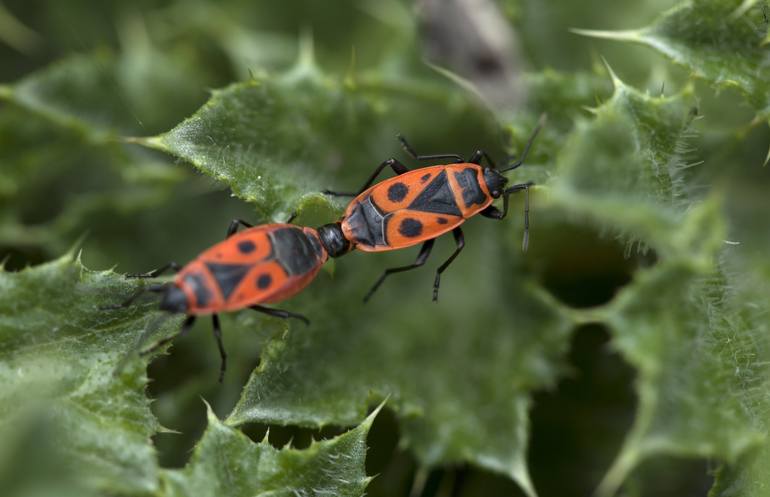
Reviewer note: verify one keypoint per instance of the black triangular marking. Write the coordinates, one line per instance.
(437, 197)
(228, 275)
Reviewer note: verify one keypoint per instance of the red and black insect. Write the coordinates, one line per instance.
(417, 206)
(259, 265)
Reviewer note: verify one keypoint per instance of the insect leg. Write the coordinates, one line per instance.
(460, 241)
(409, 150)
(280, 313)
(233, 228)
(173, 266)
(421, 258)
(218, 337)
(394, 164)
(186, 327)
(495, 213)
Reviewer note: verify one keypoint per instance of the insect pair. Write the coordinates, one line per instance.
(269, 263)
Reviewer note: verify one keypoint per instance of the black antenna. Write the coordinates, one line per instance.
(540, 123)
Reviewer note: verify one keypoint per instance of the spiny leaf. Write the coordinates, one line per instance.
(698, 378)
(722, 41)
(86, 189)
(274, 139)
(676, 322)
(60, 353)
(459, 377)
(76, 107)
(226, 462)
(237, 138)
(624, 168)
(562, 97)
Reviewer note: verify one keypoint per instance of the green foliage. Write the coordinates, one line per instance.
(82, 372)
(226, 462)
(68, 368)
(721, 41)
(122, 142)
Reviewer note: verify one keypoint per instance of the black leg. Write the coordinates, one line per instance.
(394, 164)
(421, 258)
(531, 140)
(292, 217)
(476, 158)
(222, 354)
(173, 266)
(130, 300)
(495, 213)
(233, 228)
(186, 327)
(409, 150)
(280, 313)
(460, 241)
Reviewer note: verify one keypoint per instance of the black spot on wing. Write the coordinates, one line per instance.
(228, 276)
(397, 192)
(441, 220)
(294, 251)
(264, 281)
(469, 183)
(410, 227)
(246, 247)
(424, 178)
(436, 197)
(196, 282)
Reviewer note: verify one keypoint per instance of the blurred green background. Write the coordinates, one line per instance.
(135, 69)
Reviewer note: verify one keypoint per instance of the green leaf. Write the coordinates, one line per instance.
(746, 477)
(459, 375)
(100, 95)
(32, 464)
(226, 462)
(77, 106)
(676, 322)
(275, 139)
(59, 352)
(721, 41)
(237, 138)
(697, 378)
(625, 168)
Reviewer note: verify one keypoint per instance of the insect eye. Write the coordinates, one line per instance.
(496, 193)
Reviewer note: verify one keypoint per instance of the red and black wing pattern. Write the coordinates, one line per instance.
(263, 264)
(415, 206)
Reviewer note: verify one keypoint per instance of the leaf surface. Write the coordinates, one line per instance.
(60, 353)
(721, 41)
(226, 462)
